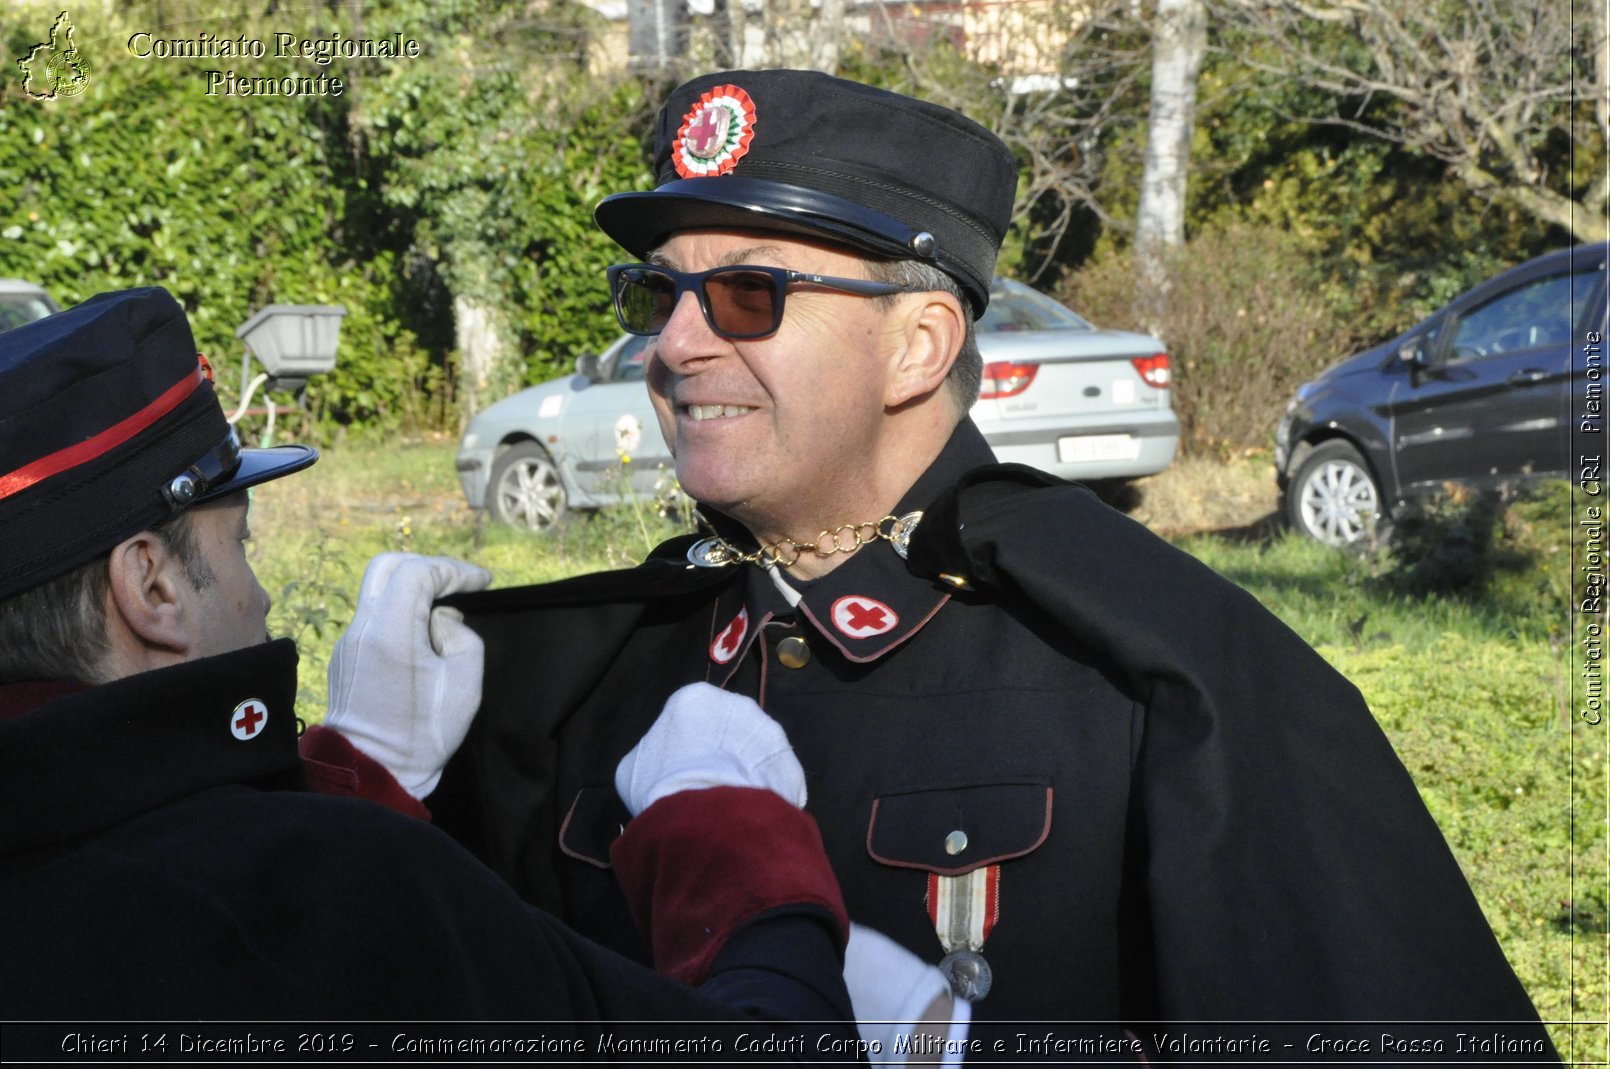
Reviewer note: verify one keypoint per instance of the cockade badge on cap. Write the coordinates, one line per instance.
(715, 133)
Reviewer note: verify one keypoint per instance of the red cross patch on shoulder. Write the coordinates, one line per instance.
(715, 134)
(862, 617)
(248, 719)
(731, 639)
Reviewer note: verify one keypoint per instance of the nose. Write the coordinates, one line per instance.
(687, 338)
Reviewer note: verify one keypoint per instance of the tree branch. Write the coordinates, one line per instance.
(1540, 203)
(1481, 84)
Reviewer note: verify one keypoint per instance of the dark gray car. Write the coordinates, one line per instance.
(1492, 388)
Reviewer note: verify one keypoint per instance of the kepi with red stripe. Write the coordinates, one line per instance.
(108, 425)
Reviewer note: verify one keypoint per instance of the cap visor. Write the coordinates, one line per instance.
(261, 465)
(641, 222)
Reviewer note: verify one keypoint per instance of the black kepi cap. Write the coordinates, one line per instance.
(109, 425)
(806, 153)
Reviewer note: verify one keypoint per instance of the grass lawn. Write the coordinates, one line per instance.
(1475, 692)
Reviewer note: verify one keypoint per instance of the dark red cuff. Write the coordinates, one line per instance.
(25, 697)
(697, 866)
(335, 766)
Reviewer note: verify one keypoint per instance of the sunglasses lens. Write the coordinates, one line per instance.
(645, 300)
(740, 302)
(743, 304)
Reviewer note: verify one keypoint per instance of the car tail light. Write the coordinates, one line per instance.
(1154, 369)
(1002, 378)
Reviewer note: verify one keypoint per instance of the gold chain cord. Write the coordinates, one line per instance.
(785, 552)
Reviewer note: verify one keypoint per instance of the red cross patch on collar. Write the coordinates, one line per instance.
(863, 627)
(859, 616)
(731, 640)
(248, 719)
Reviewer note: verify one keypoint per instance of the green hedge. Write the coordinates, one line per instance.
(425, 178)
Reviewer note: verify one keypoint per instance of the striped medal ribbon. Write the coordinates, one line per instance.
(964, 910)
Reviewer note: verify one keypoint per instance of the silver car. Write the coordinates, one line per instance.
(23, 302)
(1058, 394)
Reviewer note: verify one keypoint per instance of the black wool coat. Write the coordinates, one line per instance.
(162, 859)
(1189, 814)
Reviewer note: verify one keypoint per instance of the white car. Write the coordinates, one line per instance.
(23, 302)
(1058, 394)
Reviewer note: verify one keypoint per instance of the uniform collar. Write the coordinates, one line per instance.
(96, 757)
(963, 451)
(866, 606)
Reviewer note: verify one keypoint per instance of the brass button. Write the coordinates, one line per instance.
(794, 652)
(956, 842)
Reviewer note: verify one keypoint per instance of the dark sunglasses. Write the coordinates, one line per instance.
(739, 302)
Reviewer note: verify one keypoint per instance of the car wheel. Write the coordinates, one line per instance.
(525, 490)
(1333, 497)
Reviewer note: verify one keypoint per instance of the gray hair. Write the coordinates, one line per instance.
(967, 373)
(57, 630)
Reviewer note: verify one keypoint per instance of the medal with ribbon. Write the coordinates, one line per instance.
(964, 910)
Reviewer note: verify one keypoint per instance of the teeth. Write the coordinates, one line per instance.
(704, 412)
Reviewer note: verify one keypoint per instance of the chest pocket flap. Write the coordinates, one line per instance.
(954, 830)
(596, 819)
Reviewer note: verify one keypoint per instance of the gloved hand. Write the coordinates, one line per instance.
(405, 680)
(892, 991)
(706, 737)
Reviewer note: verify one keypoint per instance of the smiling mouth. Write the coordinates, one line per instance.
(700, 413)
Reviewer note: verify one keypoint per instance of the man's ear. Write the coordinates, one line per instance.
(934, 326)
(145, 606)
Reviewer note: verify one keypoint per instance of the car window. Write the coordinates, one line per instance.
(1014, 307)
(1419, 346)
(19, 308)
(626, 363)
(1540, 312)
(1585, 285)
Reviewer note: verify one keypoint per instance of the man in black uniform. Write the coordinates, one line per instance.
(1085, 776)
(161, 854)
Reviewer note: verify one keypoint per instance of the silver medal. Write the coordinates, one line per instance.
(968, 973)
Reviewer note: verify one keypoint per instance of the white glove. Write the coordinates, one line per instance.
(892, 991)
(706, 737)
(405, 680)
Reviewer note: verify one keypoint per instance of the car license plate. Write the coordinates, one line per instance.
(1094, 447)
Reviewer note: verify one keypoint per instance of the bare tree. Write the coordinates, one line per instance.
(1485, 85)
(1050, 79)
(1179, 44)
(657, 33)
(829, 36)
(779, 33)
